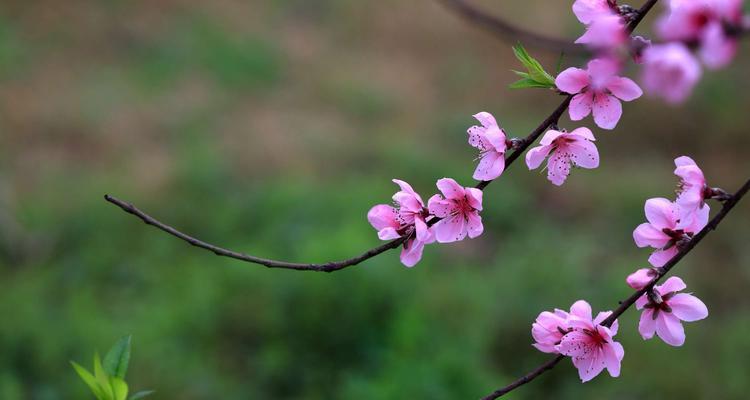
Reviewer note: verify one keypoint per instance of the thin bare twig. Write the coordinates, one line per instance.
(626, 304)
(510, 32)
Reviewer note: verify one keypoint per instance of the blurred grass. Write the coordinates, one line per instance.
(271, 128)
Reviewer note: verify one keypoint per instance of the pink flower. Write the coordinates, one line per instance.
(704, 22)
(597, 89)
(393, 223)
(587, 11)
(459, 210)
(564, 149)
(590, 345)
(670, 71)
(490, 140)
(549, 329)
(639, 279)
(665, 308)
(663, 230)
(606, 31)
(692, 189)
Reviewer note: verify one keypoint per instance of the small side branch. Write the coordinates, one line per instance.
(625, 305)
(220, 251)
(512, 33)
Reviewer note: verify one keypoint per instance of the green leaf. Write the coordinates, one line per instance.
(89, 380)
(119, 388)
(140, 395)
(102, 378)
(117, 359)
(528, 83)
(536, 75)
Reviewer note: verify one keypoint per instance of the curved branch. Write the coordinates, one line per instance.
(626, 304)
(507, 31)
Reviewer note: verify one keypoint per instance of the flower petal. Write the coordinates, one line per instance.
(474, 225)
(612, 359)
(572, 80)
(450, 229)
(607, 111)
(688, 307)
(661, 213)
(624, 88)
(670, 330)
(474, 197)
(486, 119)
(382, 216)
(673, 284)
(580, 105)
(581, 309)
(450, 188)
(661, 257)
(490, 166)
(535, 157)
(558, 168)
(647, 235)
(584, 154)
(647, 324)
(440, 207)
(412, 252)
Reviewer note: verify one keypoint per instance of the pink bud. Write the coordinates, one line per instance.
(639, 279)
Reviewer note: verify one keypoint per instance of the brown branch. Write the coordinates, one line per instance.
(625, 305)
(510, 32)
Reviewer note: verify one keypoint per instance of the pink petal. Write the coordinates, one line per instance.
(440, 207)
(388, 234)
(647, 235)
(611, 358)
(572, 80)
(451, 229)
(642, 301)
(474, 225)
(558, 168)
(661, 257)
(670, 330)
(581, 309)
(382, 216)
(596, 366)
(412, 252)
(683, 161)
(474, 196)
(647, 324)
(477, 138)
(490, 167)
(584, 133)
(639, 279)
(688, 307)
(697, 220)
(607, 111)
(450, 188)
(584, 154)
(580, 106)
(550, 136)
(573, 344)
(717, 50)
(588, 10)
(602, 70)
(422, 230)
(673, 284)
(486, 119)
(661, 213)
(496, 137)
(536, 156)
(624, 89)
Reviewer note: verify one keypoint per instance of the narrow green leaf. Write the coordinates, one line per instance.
(529, 83)
(117, 359)
(536, 72)
(102, 378)
(140, 395)
(89, 380)
(119, 388)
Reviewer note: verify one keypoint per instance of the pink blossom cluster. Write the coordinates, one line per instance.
(671, 225)
(689, 31)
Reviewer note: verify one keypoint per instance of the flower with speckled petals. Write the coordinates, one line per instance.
(409, 215)
(564, 149)
(458, 209)
(663, 230)
(591, 345)
(491, 142)
(597, 90)
(664, 309)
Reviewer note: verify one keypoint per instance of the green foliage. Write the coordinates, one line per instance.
(108, 380)
(536, 76)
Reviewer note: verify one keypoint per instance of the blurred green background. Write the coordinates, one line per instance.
(271, 127)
